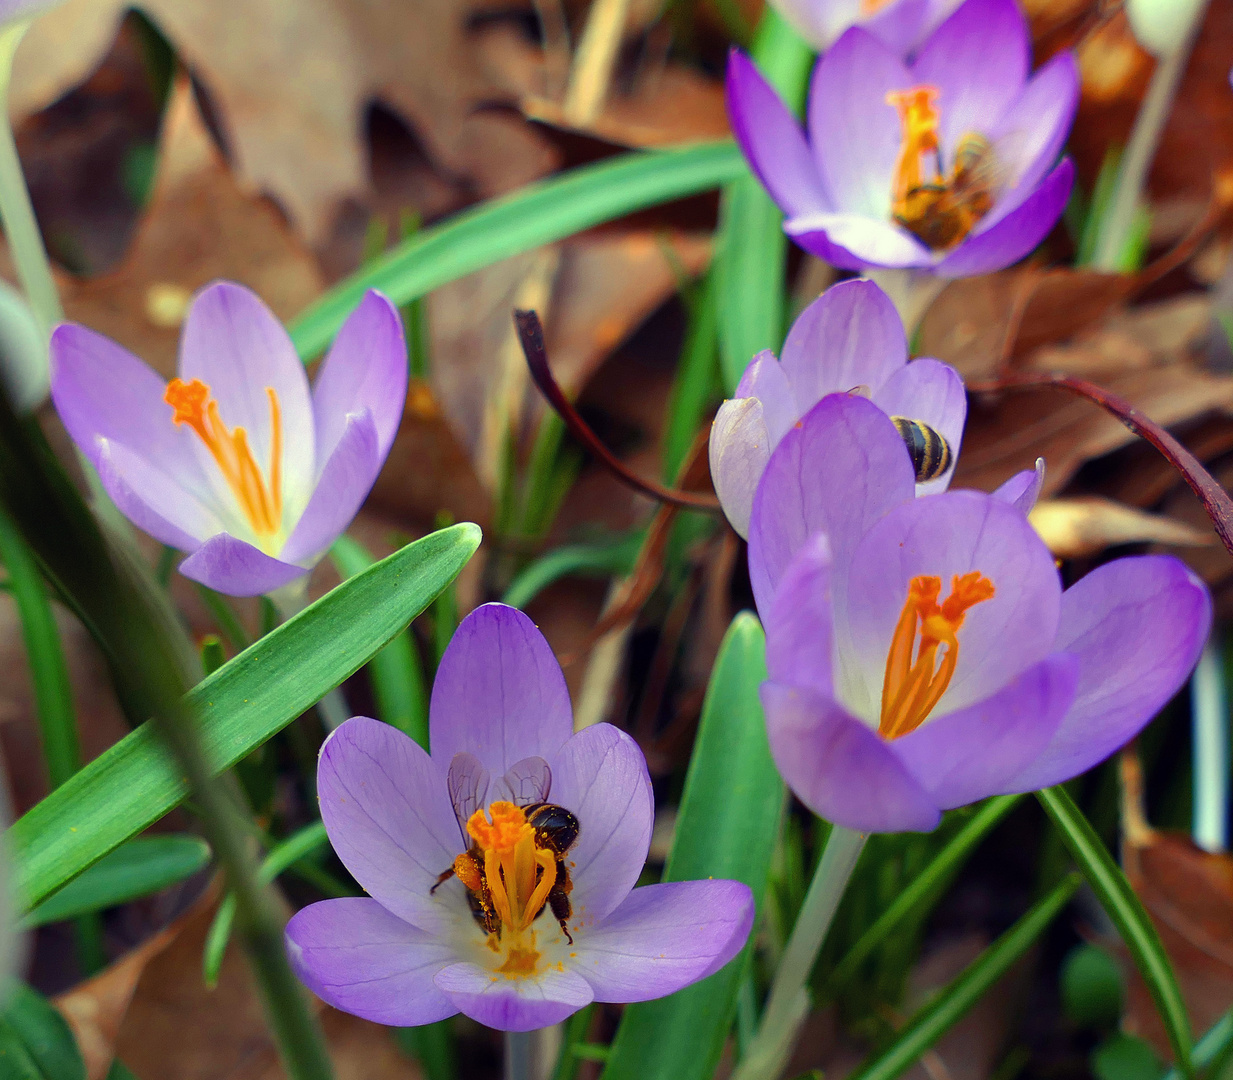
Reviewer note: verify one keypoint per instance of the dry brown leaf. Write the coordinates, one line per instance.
(1076, 528)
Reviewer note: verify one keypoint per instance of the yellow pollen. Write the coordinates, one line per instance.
(911, 688)
(918, 114)
(261, 502)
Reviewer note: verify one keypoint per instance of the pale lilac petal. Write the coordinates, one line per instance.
(739, 449)
(234, 567)
(851, 336)
(840, 768)
(366, 368)
(931, 392)
(385, 807)
(772, 140)
(341, 489)
(979, 751)
(600, 775)
(799, 631)
(514, 1004)
(765, 380)
(820, 24)
(356, 956)
(499, 693)
(664, 937)
(1137, 626)
(1023, 489)
(900, 25)
(840, 471)
(852, 241)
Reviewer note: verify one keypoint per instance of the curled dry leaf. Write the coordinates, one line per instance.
(1076, 528)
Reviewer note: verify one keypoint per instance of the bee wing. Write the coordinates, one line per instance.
(467, 783)
(527, 781)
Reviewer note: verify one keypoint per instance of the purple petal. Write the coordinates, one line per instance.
(840, 768)
(854, 242)
(931, 392)
(356, 956)
(838, 472)
(1137, 626)
(979, 751)
(366, 368)
(799, 626)
(900, 25)
(664, 937)
(850, 336)
(765, 380)
(1023, 489)
(236, 568)
(385, 807)
(600, 775)
(499, 693)
(341, 489)
(771, 139)
(739, 449)
(514, 1004)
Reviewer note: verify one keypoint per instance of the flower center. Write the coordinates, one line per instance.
(911, 688)
(261, 502)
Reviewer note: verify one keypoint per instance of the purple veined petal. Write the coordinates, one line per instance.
(771, 139)
(853, 132)
(341, 489)
(839, 767)
(739, 449)
(234, 344)
(1137, 626)
(236, 568)
(942, 536)
(800, 635)
(855, 242)
(979, 60)
(525, 782)
(356, 956)
(388, 816)
(1015, 235)
(838, 472)
(979, 751)
(665, 937)
(1023, 489)
(467, 783)
(600, 775)
(931, 392)
(499, 693)
(152, 500)
(514, 1004)
(765, 380)
(850, 336)
(366, 368)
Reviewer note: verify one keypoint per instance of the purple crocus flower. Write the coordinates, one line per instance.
(944, 164)
(483, 900)
(850, 339)
(900, 24)
(922, 653)
(236, 461)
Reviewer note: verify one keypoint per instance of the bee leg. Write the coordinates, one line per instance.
(442, 878)
(558, 900)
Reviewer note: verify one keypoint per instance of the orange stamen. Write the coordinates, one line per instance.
(520, 875)
(872, 7)
(918, 114)
(912, 688)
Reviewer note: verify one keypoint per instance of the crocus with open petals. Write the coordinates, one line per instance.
(922, 653)
(946, 164)
(849, 340)
(492, 940)
(236, 461)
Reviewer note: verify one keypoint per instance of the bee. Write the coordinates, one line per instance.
(942, 212)
(930, 452)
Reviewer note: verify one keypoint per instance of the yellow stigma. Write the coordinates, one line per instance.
(918, 114)
(911, 688)
(261, 502)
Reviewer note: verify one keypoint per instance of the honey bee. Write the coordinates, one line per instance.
(942, 212)
(930, 452)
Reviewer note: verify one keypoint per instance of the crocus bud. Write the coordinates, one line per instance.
(1161, 26)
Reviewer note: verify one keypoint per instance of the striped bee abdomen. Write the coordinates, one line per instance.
(930, 453)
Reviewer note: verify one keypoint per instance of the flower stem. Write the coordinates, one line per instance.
(910, 291)
(788, 1002)
(518, 1055)
(1210, 715)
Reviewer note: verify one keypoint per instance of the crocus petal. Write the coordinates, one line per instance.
(765, 380)
(840, 768)
(1023, 489)
(385, 808)
(600, 775)
(979, 751)
(853, 242)
(739, 449)
(799, 631)
(356, 956)
(664, 937)
(771, 139)
(236, 568)
(514, 1004)
(499, 693)
(366, 368)
(899, 25)
(850, 336)
(1137, 626)
(837, 473)
(341, 489)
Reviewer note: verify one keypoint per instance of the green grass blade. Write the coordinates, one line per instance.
(1123, 907)
(535, 215)
(240, 706)
(950, 1006)
(726, 828)
(1213, 1052)
(36, 1026)
(614, 557)
(695, 381)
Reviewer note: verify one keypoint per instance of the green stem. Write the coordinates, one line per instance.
(788, 1003)
(518, 1055)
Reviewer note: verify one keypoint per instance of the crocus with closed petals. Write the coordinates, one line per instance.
(947, 163)
(849, 340)
(236, 461)
(922, 653)
(472, 907)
